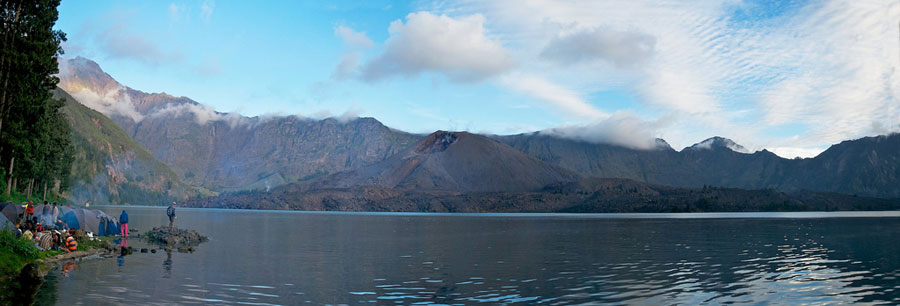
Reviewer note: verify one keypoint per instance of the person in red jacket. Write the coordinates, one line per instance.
(29, 210)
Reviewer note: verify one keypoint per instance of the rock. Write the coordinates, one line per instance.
(153, 251)
(144, 250)
(30, 275)
(175, 237)
(29, 280)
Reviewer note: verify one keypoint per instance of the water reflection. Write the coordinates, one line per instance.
(289, 259)
(167, 264)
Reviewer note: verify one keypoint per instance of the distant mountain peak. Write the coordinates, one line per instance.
(436, 142)
(719, 142)
(81, 73)
(662, 144)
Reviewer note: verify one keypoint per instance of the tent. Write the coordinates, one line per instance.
(71, 220)
(112, 227)
(90, 220)
(4, 222)
(11, 210)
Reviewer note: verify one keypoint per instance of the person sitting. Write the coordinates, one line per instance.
(60, 224)
(71, 244)
(46, 241)
(58, 241)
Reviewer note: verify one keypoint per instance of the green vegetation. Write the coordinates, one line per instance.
(35, 149)
(15, 253)
(111, 167)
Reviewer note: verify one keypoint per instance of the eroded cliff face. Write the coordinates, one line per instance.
(262, 154)
(225, 151)
(110, 167)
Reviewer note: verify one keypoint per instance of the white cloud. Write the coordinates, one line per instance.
(559, 98)
(118, 42)
(793, 152)
(355, 42)
(455, 47)
(623, 129)
(209, 66)
(201, 113)
(353, 39)
(113, 102)
(622, 48)
(721, 67)
(174, 11)
(206, 10)
(347, 116)
(347, 67)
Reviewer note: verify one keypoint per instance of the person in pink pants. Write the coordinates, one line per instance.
(123, 223)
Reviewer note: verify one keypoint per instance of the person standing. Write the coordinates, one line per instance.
(171, 213)
(54, 213)
(123, 223)
(29, 210)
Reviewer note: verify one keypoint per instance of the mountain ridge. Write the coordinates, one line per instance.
(229, 153)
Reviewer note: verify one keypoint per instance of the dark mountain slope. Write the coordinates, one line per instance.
(585, 196)
(867, 166)
(456, 161)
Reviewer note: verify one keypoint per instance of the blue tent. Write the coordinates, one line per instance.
(71, 220)
(5, 223)
(109, 227)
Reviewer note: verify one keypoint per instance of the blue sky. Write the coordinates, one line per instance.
(789, 76)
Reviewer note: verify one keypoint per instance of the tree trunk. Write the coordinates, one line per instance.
(45, 191)
(56, 188)
(15, 184)
(29, 188)
(9, 181)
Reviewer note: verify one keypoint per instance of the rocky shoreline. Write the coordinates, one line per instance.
(174, 237)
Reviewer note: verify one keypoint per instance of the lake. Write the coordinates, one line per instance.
(290, 258)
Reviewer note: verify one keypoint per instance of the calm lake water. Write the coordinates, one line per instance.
(289, 258)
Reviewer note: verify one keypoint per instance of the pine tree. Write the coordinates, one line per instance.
(33, 131)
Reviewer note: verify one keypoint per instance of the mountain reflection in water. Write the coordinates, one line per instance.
(288, 258)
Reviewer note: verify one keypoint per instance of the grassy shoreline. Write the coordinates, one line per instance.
(16, 253)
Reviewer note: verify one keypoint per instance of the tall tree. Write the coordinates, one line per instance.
(32, 129)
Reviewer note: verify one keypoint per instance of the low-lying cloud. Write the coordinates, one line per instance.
(201, 113)
(621, 129)
(113, 102)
